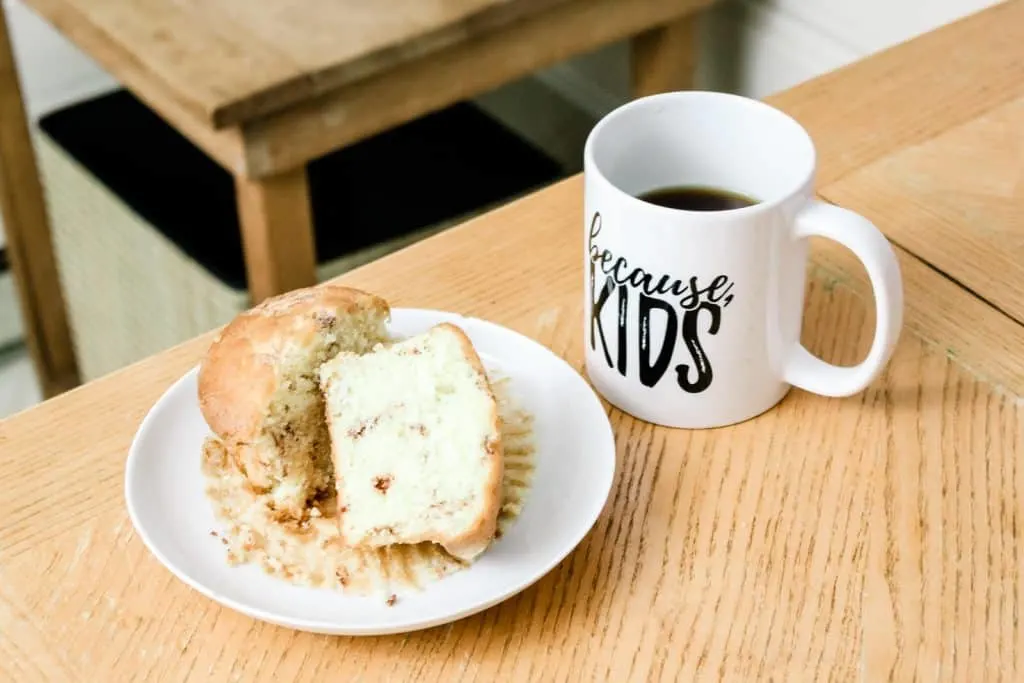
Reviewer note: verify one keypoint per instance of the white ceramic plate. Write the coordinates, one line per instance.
(574, 466)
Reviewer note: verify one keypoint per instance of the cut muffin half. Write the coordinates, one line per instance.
(416, 444)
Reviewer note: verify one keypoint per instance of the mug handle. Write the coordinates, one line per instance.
(867, 243)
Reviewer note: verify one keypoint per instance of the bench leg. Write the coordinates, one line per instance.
(29, 243)
(277, 233)
(665, 57)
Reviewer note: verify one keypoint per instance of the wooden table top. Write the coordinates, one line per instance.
(867, 538)
(232, 60)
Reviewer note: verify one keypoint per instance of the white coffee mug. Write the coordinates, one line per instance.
(692, 318)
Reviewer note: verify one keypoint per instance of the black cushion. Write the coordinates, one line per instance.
(437, 167)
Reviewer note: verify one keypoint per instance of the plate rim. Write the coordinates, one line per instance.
(412, 624)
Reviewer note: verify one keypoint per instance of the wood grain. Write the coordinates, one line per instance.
(308, 130)
(664, 58)
(826, 540)
(29, 243)
(957, 202)
(26, 653)
(277, 233)
(943, 314)
(228, 61)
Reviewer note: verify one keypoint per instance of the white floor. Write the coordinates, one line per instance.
(19, 388)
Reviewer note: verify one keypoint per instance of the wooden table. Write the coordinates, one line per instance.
(263, 87)
(872, 538)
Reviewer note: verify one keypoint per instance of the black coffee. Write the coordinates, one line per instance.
(697, 198)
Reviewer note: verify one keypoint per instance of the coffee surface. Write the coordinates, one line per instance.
(697, 198)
